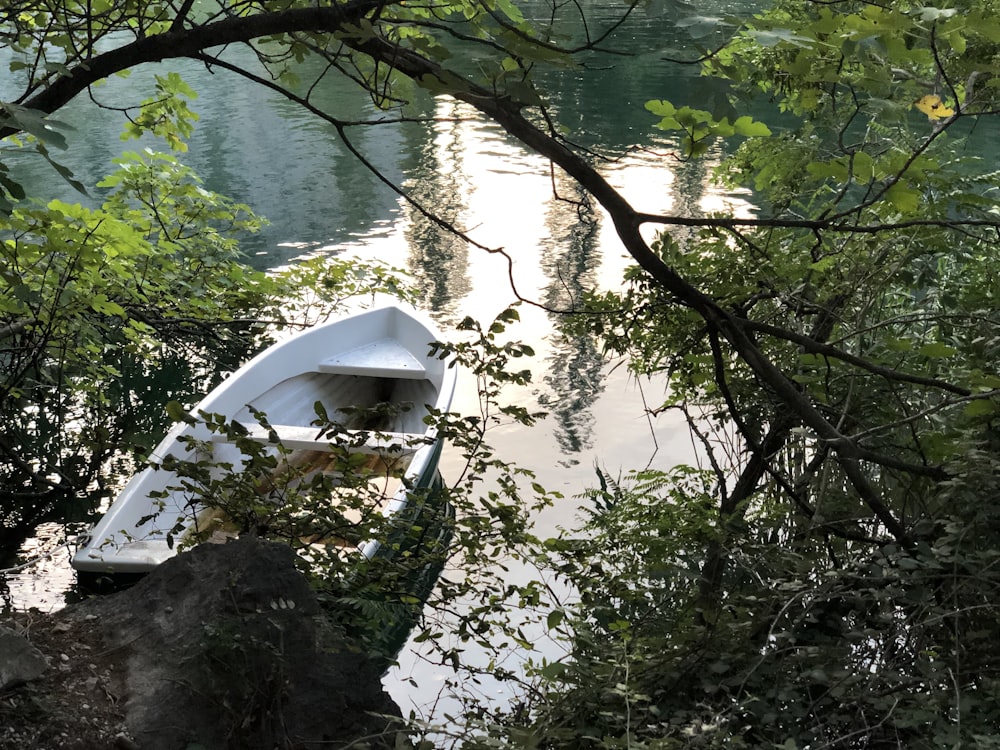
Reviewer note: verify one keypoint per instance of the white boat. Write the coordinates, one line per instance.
(353, 363)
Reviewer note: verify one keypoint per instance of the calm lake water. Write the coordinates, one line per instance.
(292, 169)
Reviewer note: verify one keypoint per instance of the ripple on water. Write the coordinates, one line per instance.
(41, 576)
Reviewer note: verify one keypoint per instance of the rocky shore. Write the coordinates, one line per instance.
(221, 647)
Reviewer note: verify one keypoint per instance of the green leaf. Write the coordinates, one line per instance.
(982, 407)
(509, 9)
(177, 412)
(835, 169)
(862, 167)
(15, 189)
(661, 107)
(904, 199)
(100, 303)
(747, 126)
(937, 350)
(510, 315)
(553, 670)
(237, 429)
(35, 123)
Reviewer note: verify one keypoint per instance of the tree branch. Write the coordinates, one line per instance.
(812, 346)
(180, 43)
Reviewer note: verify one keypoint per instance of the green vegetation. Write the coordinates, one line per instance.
(829, 579)
(109, 311)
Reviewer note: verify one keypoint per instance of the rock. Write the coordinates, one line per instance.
(225, 646)
(20, 662)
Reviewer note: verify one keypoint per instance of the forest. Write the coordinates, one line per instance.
(826, 577)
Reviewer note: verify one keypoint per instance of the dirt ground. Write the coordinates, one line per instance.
(75, 704)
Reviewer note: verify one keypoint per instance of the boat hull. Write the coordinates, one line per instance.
(353, 367)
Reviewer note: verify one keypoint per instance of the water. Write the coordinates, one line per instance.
(290, 168)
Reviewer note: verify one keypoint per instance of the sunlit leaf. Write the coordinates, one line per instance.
(903, 198)
(747, 126)
(932, 106)
(100, 303)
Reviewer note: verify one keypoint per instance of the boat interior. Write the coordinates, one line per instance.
(374, 439)
(381, 405)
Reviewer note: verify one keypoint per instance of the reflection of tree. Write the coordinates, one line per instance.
(438, 258)
(571, 260)
(575, 374)
(325, 200)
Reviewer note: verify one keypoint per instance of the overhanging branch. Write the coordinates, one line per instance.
(190, 42)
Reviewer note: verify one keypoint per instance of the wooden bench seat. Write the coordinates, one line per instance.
(380, 359)
(297, 437)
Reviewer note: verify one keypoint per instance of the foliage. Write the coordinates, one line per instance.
(699, 127)
(110, 311)
(494, 502)
(166, 114)
(86, 305)
(880, 650)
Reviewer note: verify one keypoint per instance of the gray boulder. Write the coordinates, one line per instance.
(20, 662)
(226, 646)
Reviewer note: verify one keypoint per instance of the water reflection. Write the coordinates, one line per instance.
(575, 367)
(438, 182)
(46, 557)
(479, 181)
